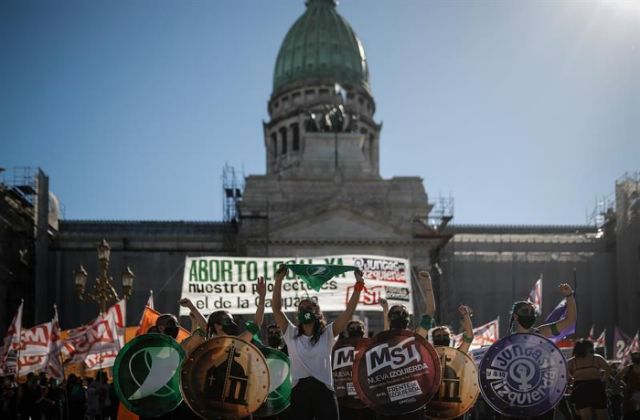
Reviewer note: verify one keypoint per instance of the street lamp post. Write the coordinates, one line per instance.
(103, 292)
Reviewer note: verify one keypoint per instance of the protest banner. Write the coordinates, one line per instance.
(230, 283)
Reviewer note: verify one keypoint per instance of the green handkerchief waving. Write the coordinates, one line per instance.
(315, 275)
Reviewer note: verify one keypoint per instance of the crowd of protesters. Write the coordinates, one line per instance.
(43, 398)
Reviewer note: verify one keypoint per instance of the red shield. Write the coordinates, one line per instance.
(344, 353)
(398, 372)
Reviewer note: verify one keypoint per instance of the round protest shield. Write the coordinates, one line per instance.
(523, 375)
(224, 377)
(279, 383)
(459, 388)
(344, 353)
(146, 375)
(397, 372)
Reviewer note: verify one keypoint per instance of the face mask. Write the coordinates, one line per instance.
(526, 321)
(635, 360)
(229, 327)
(399, 323)
(171, 331)
(306, 317)
(355, 333)
(274, 340)
(441, 340)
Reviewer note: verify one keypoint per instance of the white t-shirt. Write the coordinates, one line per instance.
(309, 359)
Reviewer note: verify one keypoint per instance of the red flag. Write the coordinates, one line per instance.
(11, 344)
(591, 333)
(54, 363)
(601, 340)
(34, 348)
(484, 335)
(535, 295)
(89, 341)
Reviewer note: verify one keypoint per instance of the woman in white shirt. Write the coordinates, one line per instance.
(310, 345)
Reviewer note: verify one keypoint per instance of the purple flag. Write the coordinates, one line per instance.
(556, 315)
(620, 343)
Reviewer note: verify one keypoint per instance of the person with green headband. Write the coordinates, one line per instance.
(441, 334)
(310, 344)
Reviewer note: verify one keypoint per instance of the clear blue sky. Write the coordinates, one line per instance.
(524, 111)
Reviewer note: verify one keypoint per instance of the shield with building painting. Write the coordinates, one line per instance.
(344, 353)
(224, 377)
(459, 388)
(279, 396)
(523, 375)
(146, 375)
(397, 372)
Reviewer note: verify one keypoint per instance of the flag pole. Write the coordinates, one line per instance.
(575, 293)
(19, 341)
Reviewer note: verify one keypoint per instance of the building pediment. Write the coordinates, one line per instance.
(335, 223)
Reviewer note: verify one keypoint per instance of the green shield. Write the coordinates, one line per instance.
(279, 383)
(146, 375)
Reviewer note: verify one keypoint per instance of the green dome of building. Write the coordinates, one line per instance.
(321, 46)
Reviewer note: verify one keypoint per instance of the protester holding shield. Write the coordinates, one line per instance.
(441, 335)
(310, 344)
(222, 322)
(523, 316)
(524, 374)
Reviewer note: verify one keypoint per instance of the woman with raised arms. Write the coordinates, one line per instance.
(310, 345)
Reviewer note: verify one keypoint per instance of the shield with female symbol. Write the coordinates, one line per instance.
(523, 375)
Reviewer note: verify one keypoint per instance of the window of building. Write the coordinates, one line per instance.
(274, 145)
(283, 140)
(295, 134)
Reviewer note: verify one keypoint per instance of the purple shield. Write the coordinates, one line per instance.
(523, 375)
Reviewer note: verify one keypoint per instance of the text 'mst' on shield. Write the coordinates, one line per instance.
(224, 377)
(344, 352)
(146, 375)
(459, 388)
(279, 396)
(523, 375)
(398, 372)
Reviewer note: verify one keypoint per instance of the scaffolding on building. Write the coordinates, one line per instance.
(232, 191)
(23, 180)
(441, 212)
(602, 208)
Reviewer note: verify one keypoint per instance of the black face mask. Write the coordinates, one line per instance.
(526, 321)
(274, 340)
(171, 331)
(229, 327)
(442, 340)
(355, 333)
(635, 360)
(399, 323)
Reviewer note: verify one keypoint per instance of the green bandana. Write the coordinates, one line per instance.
(315, 275)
